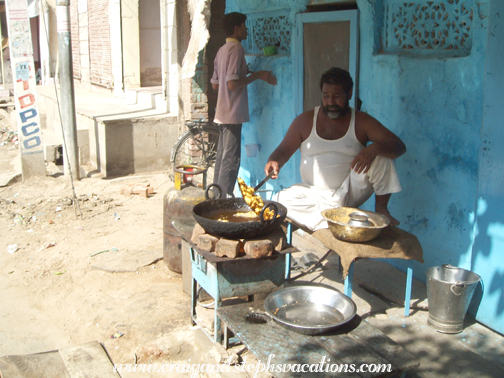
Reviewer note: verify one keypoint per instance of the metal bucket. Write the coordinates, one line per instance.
(449, 292)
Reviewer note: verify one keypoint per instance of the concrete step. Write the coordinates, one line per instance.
(115, 138)
(143, 96)
(123, 146)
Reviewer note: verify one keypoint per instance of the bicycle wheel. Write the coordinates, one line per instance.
(198, 149)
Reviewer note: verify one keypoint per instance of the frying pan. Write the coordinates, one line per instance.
(236, 230)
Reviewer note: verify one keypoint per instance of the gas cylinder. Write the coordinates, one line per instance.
(178, 205)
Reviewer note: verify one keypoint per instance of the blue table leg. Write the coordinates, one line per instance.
(288, 256)
(217, 322)
(194, 291)
(348, 281)
(407, 297)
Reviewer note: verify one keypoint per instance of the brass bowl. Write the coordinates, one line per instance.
(354, 225)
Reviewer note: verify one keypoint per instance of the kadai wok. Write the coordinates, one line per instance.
(237, 221)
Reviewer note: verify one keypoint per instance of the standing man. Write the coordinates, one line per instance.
(346, 155)
(230, 78)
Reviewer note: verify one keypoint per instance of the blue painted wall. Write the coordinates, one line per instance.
(488, 247)
(271, 107)
(447, 110)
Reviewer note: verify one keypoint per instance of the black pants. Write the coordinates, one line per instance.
(227, 161)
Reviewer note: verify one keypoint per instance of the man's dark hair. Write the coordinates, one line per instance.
(231, 20)
(337, 76)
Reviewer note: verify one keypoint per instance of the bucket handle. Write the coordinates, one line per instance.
(458, 285)
(449, 266)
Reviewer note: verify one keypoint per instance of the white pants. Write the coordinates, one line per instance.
(305, 202)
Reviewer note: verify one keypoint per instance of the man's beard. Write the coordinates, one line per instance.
(335, 111)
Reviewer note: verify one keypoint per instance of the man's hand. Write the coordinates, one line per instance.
(268, 77)
(362, 162)
(272, 166)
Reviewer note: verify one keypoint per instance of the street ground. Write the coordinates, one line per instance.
(53, 295)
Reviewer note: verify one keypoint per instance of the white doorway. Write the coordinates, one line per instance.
(323, 40)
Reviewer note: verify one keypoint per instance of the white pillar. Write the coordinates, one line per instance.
(25, 94)
(170, 53)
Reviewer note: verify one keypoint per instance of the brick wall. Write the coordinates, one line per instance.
(217, 39)
(99, 43)
(100, 61)
(198, 97)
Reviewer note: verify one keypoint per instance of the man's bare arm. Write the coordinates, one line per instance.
(266, 76)
(215, 87)
(383, 143)
(289, 145)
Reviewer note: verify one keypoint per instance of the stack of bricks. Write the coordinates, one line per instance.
(254, 248)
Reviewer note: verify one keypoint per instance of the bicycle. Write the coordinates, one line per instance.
(197, 146)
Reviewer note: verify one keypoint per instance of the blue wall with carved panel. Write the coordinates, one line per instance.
(271, 107)
(429, 71)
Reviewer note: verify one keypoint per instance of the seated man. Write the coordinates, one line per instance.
(345, 156)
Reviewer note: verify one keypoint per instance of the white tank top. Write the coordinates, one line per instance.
(327, 163)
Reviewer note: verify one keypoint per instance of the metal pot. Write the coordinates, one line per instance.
(309, 309)
(236, 230)
(354, 225)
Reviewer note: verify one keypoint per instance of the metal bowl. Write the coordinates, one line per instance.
(354, 225)
(310, 310)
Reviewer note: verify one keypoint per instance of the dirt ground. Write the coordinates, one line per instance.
(51, 295)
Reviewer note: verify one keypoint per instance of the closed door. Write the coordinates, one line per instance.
(323, 40)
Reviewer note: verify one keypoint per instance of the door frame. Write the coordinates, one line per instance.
(298, 53)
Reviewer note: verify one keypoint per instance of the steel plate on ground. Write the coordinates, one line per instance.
(310, 310)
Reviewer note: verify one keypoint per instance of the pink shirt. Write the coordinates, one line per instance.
(230, 64)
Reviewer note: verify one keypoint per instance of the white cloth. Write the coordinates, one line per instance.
(319, 155)
(305, 201)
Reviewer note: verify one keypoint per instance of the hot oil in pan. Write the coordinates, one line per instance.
(233, 216)
(309, 314)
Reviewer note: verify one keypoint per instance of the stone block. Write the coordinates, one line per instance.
(206, 242)
(278, 239)
(229, 248)
(258, 248)
(197, 231)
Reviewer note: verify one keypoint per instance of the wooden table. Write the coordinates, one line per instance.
(392, 243)
(355, 344)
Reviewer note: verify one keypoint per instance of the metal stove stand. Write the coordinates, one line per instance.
(222, 278)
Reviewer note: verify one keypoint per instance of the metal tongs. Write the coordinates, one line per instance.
(264, 180)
